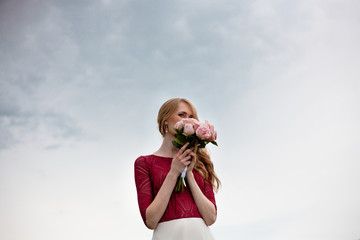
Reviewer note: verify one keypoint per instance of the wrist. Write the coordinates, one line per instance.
(190, 175)
(172, 175)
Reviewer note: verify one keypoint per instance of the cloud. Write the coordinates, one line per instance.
(293, 123)
(15, 128)
(278, 79)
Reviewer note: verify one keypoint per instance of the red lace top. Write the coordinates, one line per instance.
(150, 173)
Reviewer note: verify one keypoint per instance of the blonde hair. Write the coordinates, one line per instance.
(203, 165)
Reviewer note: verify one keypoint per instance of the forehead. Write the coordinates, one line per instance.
(184, 107)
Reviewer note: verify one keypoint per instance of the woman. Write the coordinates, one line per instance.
(172, 215)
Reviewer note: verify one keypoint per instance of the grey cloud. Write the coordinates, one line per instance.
(16, 124)
(7, 139)
(18, 117)
(63, 126)
(124, 47)
(152, 42)
(89, 53)
(53, 146)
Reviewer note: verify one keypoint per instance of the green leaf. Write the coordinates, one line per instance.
(192, 142)
(202, 144)
(181, 137)
(179, 141)
(215, 143)
(177, 145)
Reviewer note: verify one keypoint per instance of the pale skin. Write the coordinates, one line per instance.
(180, 159)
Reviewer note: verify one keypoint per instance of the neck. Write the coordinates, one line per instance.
(167, 149)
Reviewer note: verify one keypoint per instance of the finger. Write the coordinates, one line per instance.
(188, 162)
(193, 157)
(186, 152)
(186, 159)
(192, 154)
(182, 149)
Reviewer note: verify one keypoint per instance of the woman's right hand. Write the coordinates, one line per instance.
(181, 160)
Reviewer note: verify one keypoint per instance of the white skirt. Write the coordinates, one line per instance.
(183, 229)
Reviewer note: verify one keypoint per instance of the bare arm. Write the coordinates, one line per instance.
(206, 208)
(156, 209)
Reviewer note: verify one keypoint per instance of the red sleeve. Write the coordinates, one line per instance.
(209, 192)
(143, 185)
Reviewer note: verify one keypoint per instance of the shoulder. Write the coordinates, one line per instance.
(143, 160)
(145, 157)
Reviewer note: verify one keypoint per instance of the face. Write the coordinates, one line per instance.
(183, 111)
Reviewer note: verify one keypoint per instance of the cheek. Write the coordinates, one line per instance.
(174, 120)
(178, 118)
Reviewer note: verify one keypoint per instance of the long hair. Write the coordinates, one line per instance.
(203, 165)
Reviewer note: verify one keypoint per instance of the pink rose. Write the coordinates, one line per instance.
(179, 125)
(213, 136)
(188, 120)
(192, 121)
(212, 130)
(188, 129)
(184, 121)
(203, 131)
(196, 124)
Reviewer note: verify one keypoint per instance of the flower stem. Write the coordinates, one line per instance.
(179, 185)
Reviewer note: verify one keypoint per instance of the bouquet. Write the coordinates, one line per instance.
(197, 134)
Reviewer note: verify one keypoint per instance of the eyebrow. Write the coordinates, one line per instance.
(183, 112)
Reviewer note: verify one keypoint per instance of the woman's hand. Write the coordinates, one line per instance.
(182, 159)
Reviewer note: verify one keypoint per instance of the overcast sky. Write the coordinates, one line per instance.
(81, 83)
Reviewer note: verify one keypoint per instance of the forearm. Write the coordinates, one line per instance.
(206, 208)
(157, 208)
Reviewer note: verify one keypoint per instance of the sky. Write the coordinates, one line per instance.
(81, 83)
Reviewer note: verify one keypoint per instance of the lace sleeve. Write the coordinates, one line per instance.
(209, 192)
(143, 185)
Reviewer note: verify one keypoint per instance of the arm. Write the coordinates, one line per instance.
(156, 209)
(206, 208)
(151, 208)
